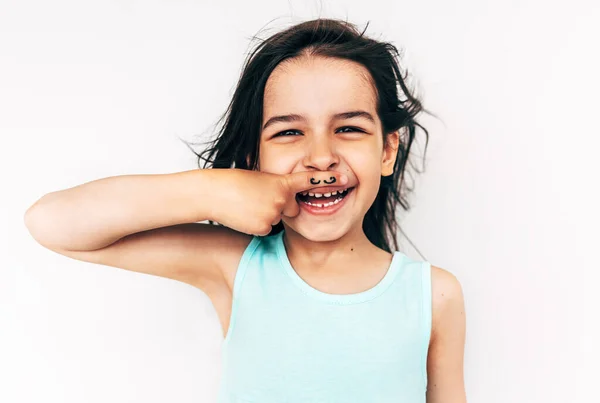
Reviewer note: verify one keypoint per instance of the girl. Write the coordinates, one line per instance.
(315, 301)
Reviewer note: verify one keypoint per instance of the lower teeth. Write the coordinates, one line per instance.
(326, 204)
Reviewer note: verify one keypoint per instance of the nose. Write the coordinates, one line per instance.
(320, 154)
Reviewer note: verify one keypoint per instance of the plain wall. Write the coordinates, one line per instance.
(508, 202)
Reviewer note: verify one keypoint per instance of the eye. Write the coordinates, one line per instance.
(285, 132)
(352, 129)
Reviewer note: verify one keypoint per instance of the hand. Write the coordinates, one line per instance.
(253, 201)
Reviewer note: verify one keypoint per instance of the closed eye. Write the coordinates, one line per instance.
(352, 129)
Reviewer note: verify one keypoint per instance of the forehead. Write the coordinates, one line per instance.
(318, 86)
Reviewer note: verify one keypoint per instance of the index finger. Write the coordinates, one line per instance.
(305, 180)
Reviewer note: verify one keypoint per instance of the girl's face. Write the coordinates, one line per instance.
(316, 90)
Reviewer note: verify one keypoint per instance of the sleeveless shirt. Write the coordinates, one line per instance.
(289, 342)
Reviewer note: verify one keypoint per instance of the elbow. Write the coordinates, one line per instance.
(37, 221)
(32, 220)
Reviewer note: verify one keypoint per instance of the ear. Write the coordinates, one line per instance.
(390, 152)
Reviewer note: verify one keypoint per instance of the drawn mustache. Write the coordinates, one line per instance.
(315, 182)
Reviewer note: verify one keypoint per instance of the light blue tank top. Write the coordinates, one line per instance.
(289, 342)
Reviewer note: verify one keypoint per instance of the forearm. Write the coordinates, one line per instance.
(95, 214)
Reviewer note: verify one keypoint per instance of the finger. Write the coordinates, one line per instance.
(291, 209)
(301, 181)
(276, 220)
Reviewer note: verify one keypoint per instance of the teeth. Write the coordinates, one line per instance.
(328, 194)
(336, 201)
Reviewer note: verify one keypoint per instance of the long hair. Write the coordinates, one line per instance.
(236, 144)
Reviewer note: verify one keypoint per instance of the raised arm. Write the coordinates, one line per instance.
(144, 223)
(150, 223)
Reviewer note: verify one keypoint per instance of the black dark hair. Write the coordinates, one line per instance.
(236, 145)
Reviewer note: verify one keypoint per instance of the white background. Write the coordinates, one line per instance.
(508, 201)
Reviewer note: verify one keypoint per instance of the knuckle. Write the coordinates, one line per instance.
(283, 186)
(262, 226)
(264, 229)
(279, 200)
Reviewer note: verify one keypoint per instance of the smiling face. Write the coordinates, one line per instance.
(335, 127)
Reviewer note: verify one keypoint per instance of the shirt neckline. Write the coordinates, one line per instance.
(342, 299)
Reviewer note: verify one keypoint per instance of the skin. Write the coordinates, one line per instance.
(332, 244)
(330, 252)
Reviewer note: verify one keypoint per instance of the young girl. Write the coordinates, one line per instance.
(315, 302)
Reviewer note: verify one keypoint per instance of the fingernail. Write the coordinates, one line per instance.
(343, 179)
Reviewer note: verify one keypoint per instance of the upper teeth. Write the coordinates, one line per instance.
(324, 194)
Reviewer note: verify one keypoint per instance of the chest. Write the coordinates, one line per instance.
(304, 350)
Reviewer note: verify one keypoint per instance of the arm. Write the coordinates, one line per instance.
(446, 348)
(143, 223)
(149, 223)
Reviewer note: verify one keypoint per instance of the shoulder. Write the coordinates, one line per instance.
(447, 299)
(214, 246)
(229, 246)
(445, 356)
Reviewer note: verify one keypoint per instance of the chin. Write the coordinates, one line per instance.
(324, 232)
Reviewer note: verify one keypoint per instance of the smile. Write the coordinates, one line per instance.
(323, 203)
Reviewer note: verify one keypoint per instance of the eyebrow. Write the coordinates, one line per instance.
(338, 116)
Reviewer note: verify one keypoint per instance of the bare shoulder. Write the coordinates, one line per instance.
(447, 297)
(226, 247)
(231, 249)
(445, 357)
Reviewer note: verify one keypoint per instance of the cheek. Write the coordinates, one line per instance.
(365, 162)
(276, 160)
(366, 165)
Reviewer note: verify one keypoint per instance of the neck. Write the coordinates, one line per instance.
(331, 254)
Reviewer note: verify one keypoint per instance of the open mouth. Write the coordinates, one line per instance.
(323, 200)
